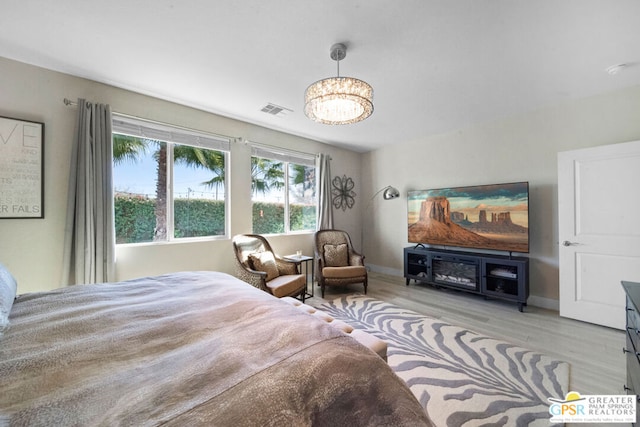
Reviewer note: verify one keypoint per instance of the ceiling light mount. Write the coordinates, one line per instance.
(338, 52)
(338, 100)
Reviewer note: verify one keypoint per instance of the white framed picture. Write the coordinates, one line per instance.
(21, 168)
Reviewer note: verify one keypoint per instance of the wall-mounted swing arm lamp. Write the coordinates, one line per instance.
(388, 193)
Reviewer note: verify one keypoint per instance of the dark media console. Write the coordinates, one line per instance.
(494, 276)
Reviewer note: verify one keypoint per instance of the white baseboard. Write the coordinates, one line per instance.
(533, 300)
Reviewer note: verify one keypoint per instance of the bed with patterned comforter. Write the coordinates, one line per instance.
(189, 348)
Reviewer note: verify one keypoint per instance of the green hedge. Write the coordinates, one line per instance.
(135, 218)
(268, 218)
(198, 217)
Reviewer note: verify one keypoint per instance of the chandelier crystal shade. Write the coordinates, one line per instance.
(338, 100)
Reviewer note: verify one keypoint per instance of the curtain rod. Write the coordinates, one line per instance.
(71, 103)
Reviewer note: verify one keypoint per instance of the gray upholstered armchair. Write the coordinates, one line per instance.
(258, 265)
(338, 263)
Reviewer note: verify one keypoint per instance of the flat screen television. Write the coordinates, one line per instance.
(494, 217)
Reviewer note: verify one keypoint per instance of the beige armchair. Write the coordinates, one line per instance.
(258, 265)
(338, 263)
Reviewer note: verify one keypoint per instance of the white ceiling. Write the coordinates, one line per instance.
(435, 66)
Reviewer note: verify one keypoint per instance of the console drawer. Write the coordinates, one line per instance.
(633, 335)
(633, 318)
(632, 344)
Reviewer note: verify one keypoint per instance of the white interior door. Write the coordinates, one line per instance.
(599, 231)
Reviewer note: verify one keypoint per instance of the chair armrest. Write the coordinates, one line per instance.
(253, 277)
(320, 263)
(356, 259)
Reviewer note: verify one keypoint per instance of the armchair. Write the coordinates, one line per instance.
(258, 265)
(338, 263)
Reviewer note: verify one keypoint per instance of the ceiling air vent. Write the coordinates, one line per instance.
(276, 110)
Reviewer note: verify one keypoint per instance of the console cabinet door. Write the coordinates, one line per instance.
(416, 265)
(504, 279)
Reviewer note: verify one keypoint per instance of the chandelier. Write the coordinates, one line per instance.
(338, 100)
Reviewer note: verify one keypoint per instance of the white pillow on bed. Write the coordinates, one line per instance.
(8, 289)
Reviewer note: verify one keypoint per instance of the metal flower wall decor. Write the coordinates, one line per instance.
(342, 192)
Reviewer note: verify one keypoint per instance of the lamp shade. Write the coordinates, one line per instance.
(390, 193)
(338, 100)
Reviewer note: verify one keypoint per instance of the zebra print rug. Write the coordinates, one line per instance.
(460, 377)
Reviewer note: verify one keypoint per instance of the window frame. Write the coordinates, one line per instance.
(286, 157)
(173, 135)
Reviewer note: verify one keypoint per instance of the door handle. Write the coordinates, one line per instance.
(568, 243)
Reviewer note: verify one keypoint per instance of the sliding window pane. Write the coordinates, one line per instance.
(198, 192)
(136, 185)
(302, 198)
(268, 195)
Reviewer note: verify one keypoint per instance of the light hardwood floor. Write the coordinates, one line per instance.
(594, 352)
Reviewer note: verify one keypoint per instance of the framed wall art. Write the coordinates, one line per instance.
(342, 192)
(21, 168)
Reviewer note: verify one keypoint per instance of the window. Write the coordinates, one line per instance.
(283, 187)
(169, 183)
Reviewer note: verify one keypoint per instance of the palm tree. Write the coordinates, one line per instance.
(303, 178)
(127, 148)
(202, 158)
(160, 232)
(266, 175)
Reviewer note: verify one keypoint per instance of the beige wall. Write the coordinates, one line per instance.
(32, 248)
(522, 148)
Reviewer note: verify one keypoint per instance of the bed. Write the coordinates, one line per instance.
(188, 348)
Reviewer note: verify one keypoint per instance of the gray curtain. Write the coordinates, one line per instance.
(89, 244)
(325, 208)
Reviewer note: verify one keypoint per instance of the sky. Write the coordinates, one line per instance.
(140, 178)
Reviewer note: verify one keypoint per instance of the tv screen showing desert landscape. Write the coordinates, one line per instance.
(494, 217)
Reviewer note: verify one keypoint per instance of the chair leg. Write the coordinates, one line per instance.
(366, 283)
(322, 289)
